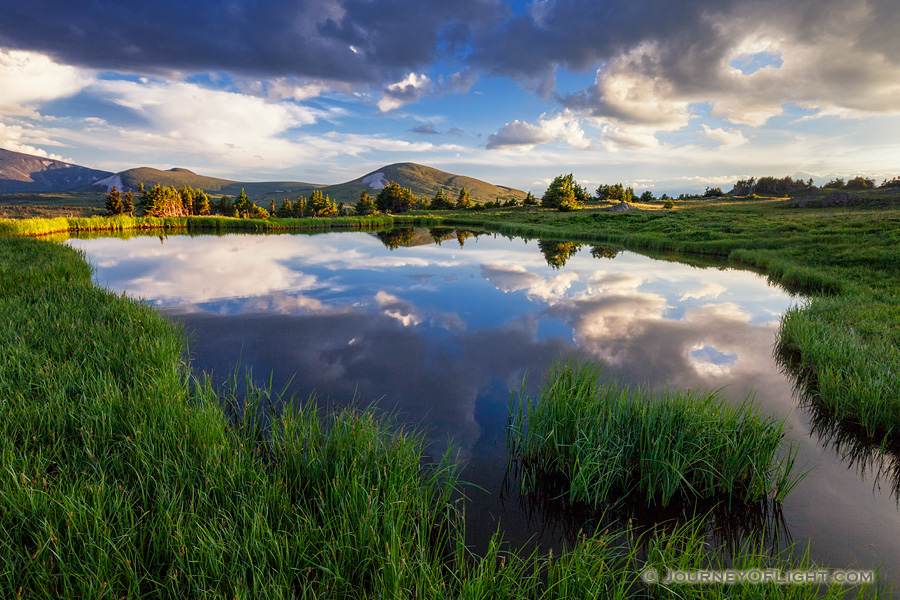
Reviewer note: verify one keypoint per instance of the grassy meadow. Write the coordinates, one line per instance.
(124, 476)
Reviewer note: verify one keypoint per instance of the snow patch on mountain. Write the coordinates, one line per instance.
(376, 181)
(110, 182)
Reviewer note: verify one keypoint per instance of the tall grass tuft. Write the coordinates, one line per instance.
(608, 441)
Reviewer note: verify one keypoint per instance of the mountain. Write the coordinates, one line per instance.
(423, 181)
(133, 178)
(24, 173)
(27, 173)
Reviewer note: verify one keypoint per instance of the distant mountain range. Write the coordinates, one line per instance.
(25, 173)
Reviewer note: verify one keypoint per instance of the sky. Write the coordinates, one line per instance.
(661, 95)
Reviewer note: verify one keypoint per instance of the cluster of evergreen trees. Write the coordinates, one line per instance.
(319, 205)
(159, 201)
(118, 204)
(565, 194)
(857, 183)
(618, 192)
(241, 207)
(394, 198)
(771, 186)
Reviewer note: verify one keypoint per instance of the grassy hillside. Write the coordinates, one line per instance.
(133, 178)
(424, 182)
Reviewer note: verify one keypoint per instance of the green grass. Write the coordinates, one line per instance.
(843, 341)
(121, 476)
(35, 227)
(609, 442)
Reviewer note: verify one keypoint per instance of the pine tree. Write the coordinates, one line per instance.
(187, 200)
(128, 203)
(364, 206)
(300, 208)
(321, 206)
(463, 201)
(243, 205)
(286, 210)
(114, 204)
(201, 202)
(441, 202)
(561, 192)
(395, 199)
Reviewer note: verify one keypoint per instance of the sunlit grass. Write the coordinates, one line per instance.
(609, 442)
(205, 224)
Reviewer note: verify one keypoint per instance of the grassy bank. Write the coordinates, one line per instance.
(609, 442)
(842, 343)
(37, 227)
(122, 477)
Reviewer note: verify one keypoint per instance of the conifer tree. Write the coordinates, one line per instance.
(114, 204)
(243, 205)
(395, 199)
(300, 208)
(321, 206)
(286, 210)
(463, 201)
(441, 202)
(186, 195)
(364, 206)
(201, 202)
(128, 203)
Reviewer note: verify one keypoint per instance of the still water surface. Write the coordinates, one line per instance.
(440, 326)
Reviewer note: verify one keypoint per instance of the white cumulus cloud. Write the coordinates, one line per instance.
(30, 77)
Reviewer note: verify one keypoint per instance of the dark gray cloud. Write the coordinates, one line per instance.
(649, 55)
(425, 129)
(341, 40)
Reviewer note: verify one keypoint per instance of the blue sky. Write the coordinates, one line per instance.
(662, 95)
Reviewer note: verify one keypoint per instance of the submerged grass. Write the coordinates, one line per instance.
(610, 442)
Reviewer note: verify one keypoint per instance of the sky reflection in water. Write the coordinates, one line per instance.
(440, 334)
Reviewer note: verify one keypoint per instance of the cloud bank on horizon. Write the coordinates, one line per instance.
(656, 93)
